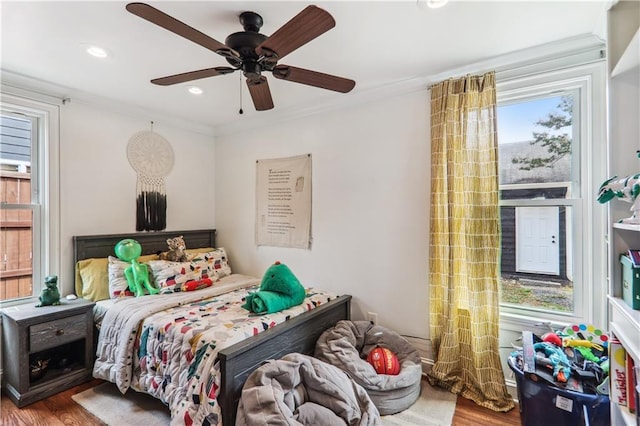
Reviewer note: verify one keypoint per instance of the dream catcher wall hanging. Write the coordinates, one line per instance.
(151, 156)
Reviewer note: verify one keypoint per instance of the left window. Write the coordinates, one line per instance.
(29, 235)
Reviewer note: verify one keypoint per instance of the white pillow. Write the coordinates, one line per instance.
(172, 277)
(118, 284)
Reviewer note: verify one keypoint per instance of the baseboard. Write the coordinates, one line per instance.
(427, 364)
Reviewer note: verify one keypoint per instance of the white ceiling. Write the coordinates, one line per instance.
(374, 43)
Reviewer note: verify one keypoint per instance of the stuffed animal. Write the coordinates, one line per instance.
(625, 189)
(279, 290)
(50, 294)
(176, 251)
(137, 274)
(38, 368)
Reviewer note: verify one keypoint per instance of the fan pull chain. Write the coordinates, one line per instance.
(240, 80)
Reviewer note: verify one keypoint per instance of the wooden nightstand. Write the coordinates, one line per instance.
(62, 334)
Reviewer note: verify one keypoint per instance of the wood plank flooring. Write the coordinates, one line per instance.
(61, 410)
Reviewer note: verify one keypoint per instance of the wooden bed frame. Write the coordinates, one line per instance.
(299, 334)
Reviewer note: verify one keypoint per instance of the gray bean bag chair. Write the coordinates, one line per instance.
(347, 345)
(301, 390)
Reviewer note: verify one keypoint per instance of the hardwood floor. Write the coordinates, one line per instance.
(468, 413)
(60, 409)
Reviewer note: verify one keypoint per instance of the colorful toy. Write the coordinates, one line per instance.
(50, 294)
(176, 251)
(194, 285)
(626, 189)
(585, 332)
(384, 361)
(552, 338)
(587, 354)
(137, 274)
(279, 289)
(575, 343)
(557, 358)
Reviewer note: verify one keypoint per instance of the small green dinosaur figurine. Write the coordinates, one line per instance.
(50, 294)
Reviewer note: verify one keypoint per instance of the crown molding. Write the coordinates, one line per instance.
(385, 91)
(32, 88)
(554, 55)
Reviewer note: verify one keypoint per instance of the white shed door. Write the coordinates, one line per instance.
(537, 242)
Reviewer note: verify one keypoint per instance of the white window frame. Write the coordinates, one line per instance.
(45, 176)
(589, 217)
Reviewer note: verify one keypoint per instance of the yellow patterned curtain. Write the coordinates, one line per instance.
(465, 241)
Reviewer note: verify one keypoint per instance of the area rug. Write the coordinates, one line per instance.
(435, 407)
(115, 409)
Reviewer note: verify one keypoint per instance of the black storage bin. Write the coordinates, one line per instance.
(542, 404)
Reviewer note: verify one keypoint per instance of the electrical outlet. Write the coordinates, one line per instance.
(372, 317)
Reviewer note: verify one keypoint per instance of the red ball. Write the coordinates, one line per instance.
(384, 361)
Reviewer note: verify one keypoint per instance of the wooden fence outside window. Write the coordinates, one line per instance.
(16, 237)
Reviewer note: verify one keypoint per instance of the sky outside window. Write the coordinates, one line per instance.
(516, 122)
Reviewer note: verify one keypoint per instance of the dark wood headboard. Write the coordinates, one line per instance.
(92, 246)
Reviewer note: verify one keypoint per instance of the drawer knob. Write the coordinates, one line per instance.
(60, 332)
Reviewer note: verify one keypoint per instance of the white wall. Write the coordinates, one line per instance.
(370, 213)
(98, 186)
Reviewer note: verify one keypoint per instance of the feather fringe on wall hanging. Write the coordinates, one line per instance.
(151, 156)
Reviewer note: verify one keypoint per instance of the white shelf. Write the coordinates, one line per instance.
(630, 58)
(627, 226)
(625, 324)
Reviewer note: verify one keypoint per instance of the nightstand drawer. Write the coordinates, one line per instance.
(58, 332)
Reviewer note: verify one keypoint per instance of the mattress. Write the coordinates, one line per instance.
(100, 310)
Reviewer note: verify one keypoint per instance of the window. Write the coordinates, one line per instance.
(550, 156)
(29, 246)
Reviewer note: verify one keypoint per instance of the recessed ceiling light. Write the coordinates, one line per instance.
(97, 51)
(195, 90)
(434, 4)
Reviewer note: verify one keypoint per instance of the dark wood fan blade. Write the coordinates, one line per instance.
(170, 23)
(313, 78)
(301, 29)
(192, 75)
(260, 93)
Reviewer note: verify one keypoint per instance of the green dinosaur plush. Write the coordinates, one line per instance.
(50, 294)
(279, 290)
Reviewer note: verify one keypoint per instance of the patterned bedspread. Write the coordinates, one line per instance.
(167, 346)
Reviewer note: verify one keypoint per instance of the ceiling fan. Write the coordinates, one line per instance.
(254, 53)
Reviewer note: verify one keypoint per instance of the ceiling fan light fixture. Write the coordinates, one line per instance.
(195, 90)
(253, 53)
